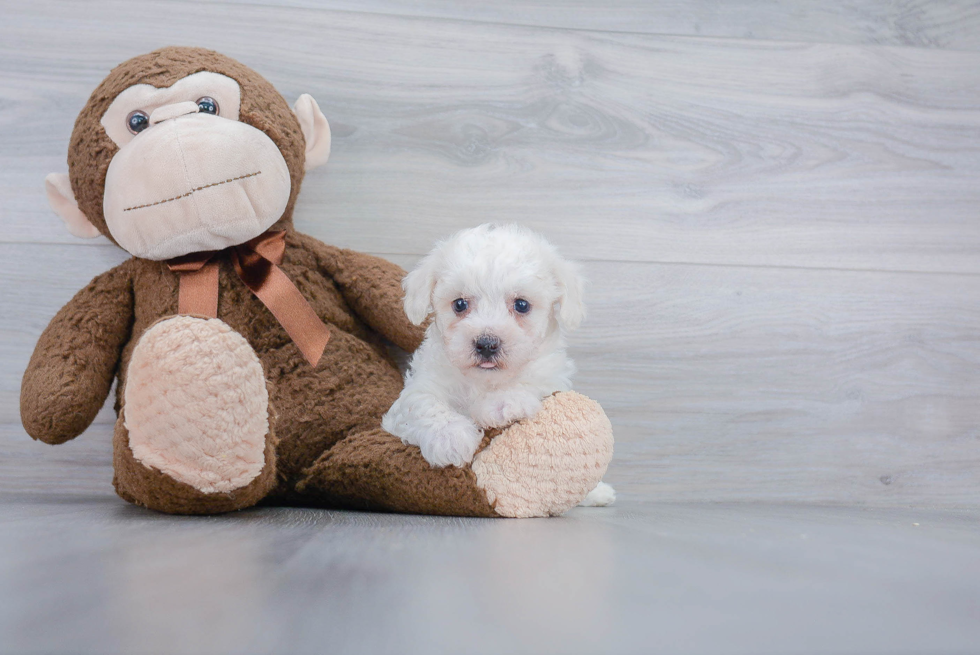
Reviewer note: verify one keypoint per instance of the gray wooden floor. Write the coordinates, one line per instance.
(90, 574)
(778, 206)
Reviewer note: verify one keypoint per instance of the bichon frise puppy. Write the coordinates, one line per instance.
(502, 298)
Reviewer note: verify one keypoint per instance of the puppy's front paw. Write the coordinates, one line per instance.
(501, 409)
(452, 444)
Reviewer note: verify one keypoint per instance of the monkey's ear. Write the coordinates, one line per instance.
(316, 130)
(62, 201)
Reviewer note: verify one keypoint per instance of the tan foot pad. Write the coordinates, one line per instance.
(196, 404)
(545, 465)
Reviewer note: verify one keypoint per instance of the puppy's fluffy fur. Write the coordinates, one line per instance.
(503, 299)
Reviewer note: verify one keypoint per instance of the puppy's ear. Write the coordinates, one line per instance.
(418, 286)
(571, 311)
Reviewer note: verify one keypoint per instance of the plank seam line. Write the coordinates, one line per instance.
(836, 269)
(583, 30)
(790, 267)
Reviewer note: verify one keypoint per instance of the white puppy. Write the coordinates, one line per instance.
(502, 298)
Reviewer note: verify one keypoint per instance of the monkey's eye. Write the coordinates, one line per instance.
(137, 121)
(208, 105)
(460, 305)
(522, 306)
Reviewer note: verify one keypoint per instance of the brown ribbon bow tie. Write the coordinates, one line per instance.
(257, 264)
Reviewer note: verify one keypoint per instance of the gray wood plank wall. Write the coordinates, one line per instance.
(776, 204)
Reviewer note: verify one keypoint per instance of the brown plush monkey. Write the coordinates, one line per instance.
(251, 359)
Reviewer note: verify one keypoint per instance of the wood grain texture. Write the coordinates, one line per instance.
(781, 237)
(729, 383)
(919, 23)
(762, 384)
(641, 148)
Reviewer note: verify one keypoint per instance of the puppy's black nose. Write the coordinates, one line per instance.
(487, 346)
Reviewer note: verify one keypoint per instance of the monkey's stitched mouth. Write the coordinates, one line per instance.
(192, 191)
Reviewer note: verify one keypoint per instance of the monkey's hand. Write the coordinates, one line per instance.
(372, 286)
(71, 371)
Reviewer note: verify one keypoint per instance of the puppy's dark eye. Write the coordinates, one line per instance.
(522, 306)
(208, 105)
(460, 305)
(137, 121)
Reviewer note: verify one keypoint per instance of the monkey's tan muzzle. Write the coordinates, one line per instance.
(193, 182)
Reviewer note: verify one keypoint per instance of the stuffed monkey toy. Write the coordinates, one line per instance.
(251, 360)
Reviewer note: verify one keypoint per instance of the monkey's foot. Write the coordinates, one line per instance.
(194, 433)
(545, 465)
(542, 466)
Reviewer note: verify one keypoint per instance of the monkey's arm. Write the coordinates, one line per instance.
(71, 370)
(373, 288)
